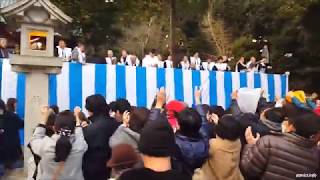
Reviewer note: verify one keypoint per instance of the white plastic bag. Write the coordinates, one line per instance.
(248, 99)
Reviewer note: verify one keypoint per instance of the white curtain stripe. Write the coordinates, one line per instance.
(131, 85)
(264, 84)
(187, 87)
(170, 84)
(63, 92)
(111, 83)
(221, 96)
(88, 83)
(235, 81)
(277, 85)
(205, 87)
(250, 79)
(151, 76)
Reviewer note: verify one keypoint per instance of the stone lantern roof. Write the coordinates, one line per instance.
(17, 9)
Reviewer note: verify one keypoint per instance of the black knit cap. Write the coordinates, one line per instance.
(157, 139)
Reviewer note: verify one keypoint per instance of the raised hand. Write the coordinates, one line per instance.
(213, 118)
(161, 98)
(197, 95)
(234, 95)
(45, 112)
(249, 136)
(76, 112)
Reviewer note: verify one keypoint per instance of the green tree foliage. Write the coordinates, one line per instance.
(144, 22)
(92, 19)
(288, 25)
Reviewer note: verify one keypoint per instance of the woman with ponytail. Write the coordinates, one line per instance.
(61, 154)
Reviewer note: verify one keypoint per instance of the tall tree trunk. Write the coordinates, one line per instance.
(172, 31)
(209, 19)
(146, 41)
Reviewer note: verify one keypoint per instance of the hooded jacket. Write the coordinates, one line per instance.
(124, 135)
(44, 146)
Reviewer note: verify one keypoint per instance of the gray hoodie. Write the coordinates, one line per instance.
(44, 146)
(124, 135)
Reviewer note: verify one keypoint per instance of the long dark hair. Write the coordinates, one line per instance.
(64, 125)
(11, 104)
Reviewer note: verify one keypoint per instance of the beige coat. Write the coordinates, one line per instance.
(223, 162)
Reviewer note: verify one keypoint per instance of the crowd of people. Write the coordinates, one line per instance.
(154, 59)
(253, 139)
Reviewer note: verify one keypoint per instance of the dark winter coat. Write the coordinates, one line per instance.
(97, 136)
(279, 157)
(263, 127)
(10, 139)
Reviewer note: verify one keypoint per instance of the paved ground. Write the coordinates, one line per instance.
(14, 175)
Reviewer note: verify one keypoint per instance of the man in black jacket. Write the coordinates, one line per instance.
(97, 136)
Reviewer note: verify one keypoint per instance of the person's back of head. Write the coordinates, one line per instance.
(228, 128)
(218, 110)
(305, 122)
(123, 105)
(157, 139)
(138, 118)
(275, 115)
(11, 104)
(246, 119)
(50, 123)
(190, 122)
(64, 126)
(157, 145)
(96, 105)
(123, 157)
(205, 108)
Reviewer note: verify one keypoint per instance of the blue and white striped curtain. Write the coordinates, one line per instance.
(139, 85)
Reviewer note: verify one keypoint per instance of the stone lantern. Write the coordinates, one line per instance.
(37, 20)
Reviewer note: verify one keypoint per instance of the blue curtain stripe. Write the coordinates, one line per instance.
(75, 78)
(11, 82)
